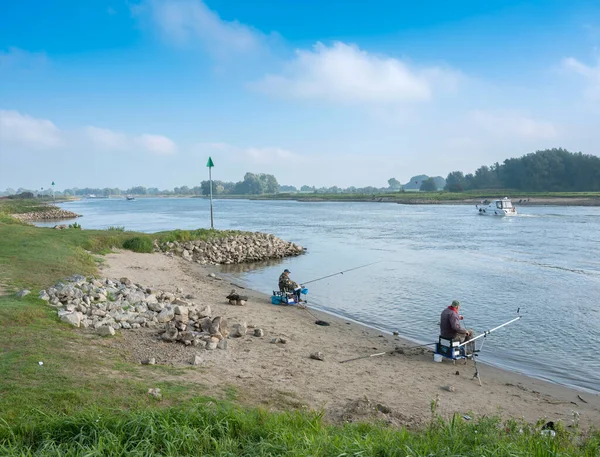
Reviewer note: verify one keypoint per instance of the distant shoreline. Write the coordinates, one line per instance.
(414, 199)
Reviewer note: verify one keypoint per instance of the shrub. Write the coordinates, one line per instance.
(75, 225)
(116, 228)
(139, 244)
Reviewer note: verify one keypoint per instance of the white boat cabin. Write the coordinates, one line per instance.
(502, 207)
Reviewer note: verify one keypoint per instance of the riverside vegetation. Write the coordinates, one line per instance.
(86, 401)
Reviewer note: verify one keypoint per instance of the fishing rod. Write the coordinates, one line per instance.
(340, 272)
(487, 332)
(397, 350)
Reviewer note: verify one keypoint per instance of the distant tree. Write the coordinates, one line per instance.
(138, 190)
(306, 188)
(415, 182)
(455, 182)
(428, 185)
(394, 184)
(287, 189)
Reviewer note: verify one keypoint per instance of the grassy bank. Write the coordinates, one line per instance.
(86, 399)
(206, 427)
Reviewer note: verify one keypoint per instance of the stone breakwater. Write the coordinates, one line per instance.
(50, 214)
(251, 247)
(111, 304)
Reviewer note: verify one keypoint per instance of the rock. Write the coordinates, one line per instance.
(278, 340)
(23, 293)
(155, 393)
(186, 337)
(125, 281)
(106, 331)
(151, 299)
(317, 356)
(238, 330)
(165, 315)
(258, 332)
(150, 361)
(156, 307)
(44, 295)
(72, 318)
(199, 343)
(170, 334)
(197, 360)
(222, 344)
(212, 275)
(449, 388)
(212, 345)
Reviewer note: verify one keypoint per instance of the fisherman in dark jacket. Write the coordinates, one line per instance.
(450, 327)
(287, 285)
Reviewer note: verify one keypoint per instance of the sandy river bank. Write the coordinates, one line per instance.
(398, 388)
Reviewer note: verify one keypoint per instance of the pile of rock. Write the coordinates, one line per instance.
(248, 247)
(111, 305)
(50, 214)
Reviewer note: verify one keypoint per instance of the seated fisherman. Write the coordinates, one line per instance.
(450, 324)
(287, 285)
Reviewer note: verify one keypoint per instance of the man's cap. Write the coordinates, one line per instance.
(455, 303)
(286, 271)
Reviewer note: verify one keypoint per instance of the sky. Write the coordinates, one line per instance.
(121, 93)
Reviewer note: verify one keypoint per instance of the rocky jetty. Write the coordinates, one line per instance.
(247, 247)
(111, 304)
(49, 214)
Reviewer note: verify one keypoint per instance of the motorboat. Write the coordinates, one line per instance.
(502, 207)
(130, 197)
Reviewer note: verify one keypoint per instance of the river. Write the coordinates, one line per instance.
(544, 261)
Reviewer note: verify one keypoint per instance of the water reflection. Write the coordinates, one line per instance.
(246, 267)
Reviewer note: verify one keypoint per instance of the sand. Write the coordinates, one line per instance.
(396, 388)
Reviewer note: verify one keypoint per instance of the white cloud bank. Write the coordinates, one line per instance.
(344, 73)
(17, 128)
(22, 131)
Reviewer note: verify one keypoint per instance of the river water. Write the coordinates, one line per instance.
(546, 261)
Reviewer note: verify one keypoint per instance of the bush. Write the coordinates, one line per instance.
(139, 244)
(75, 225)
(116, 228)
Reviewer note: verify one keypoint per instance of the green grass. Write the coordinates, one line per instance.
(139, 244)
(206, 427)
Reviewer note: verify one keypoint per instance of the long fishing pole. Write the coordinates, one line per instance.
(395, 351)
(487, 332)
(340, 272)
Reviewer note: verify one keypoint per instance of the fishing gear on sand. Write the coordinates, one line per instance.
(395, 351)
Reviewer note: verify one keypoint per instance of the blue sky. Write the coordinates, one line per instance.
(123, 93)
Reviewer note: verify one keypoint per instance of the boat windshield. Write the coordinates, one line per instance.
(506, 205)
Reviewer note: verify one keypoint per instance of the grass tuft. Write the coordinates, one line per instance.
(139, 244)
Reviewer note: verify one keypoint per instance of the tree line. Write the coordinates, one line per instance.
(550, 170)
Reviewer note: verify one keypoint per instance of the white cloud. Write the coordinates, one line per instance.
(252, 155)
(29, 133)
(115, 141)
(18, 129)
(591, 74)
(344, 73)
(107, 138)
(185, 20)
(502, 124)
(156, 144)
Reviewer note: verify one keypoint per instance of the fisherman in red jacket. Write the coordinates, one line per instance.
(450, 327)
